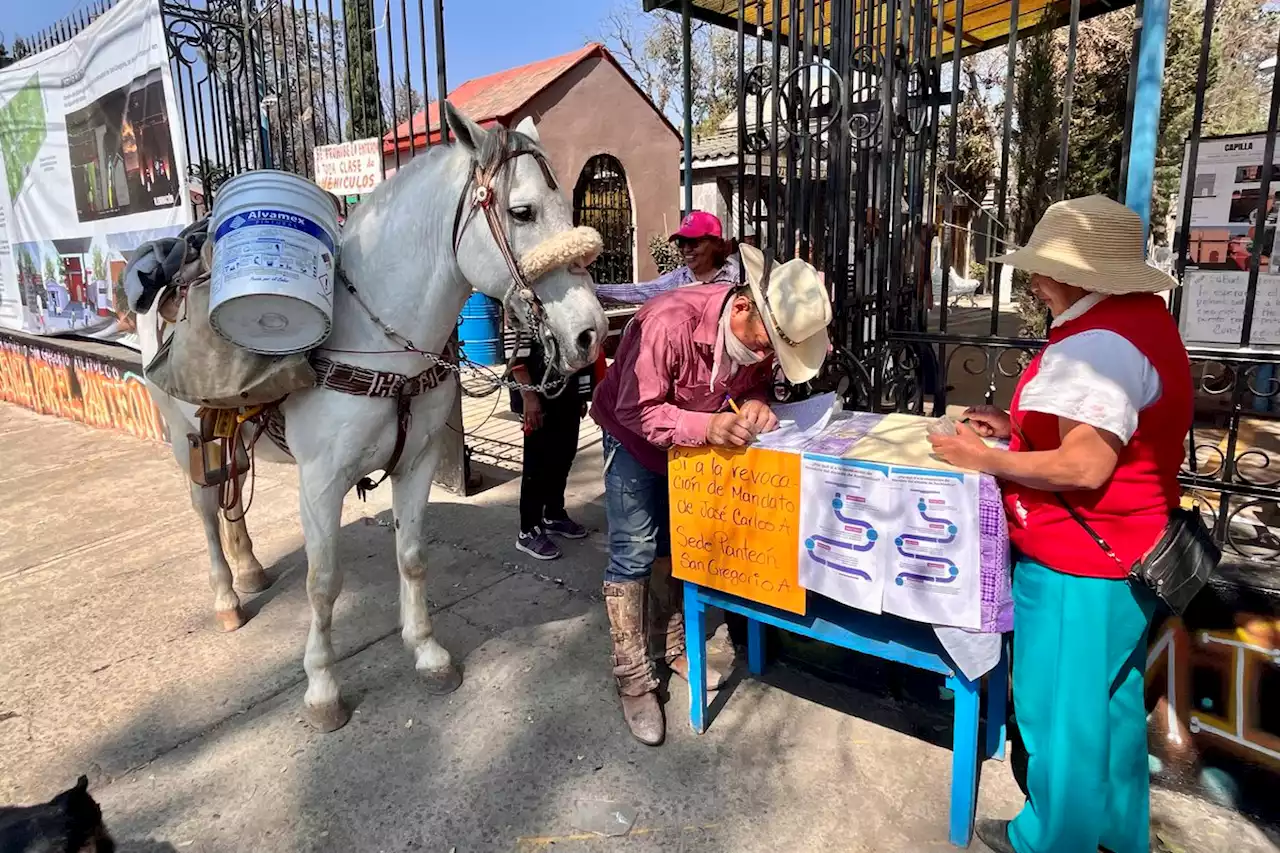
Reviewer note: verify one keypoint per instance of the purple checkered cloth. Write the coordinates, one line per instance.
(997, 593)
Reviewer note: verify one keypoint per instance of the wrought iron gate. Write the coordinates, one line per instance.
(602, 201)
(849, 114)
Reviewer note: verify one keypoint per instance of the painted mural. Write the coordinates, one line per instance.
(78, 387)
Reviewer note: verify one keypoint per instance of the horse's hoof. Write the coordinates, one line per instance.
(251, 582)
(440, 682)
(230, 620)
(328, 718)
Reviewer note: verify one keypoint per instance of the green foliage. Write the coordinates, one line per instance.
(1038, 111)
(976, 131)
(99, 264)
(364, 111)
(665, 255)
(1098, 105)
(977, 270)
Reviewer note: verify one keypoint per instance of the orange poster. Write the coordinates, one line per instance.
(733, 523)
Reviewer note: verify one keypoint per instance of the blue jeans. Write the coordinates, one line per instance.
(635, 504)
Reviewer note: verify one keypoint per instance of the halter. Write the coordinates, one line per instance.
(481, 190)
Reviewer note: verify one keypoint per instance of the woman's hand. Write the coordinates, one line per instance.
(532, 410)
(759, 417)
(989, 421)
(963, 450)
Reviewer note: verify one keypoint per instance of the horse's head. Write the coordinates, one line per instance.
(513, 215)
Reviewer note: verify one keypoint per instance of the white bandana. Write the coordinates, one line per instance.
(727, 344)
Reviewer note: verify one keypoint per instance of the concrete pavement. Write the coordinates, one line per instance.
(193, 740)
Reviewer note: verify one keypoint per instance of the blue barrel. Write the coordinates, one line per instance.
(481, 329)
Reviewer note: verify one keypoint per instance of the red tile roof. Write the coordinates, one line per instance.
(496, 99)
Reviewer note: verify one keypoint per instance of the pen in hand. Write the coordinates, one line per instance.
(734, 406)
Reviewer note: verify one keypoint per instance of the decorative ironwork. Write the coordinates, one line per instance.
(602, 201)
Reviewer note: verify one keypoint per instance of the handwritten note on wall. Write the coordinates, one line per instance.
(733, 523)
(1213, 308)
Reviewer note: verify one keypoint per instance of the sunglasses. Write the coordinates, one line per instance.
(688, 242)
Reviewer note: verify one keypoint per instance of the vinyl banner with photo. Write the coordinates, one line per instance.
(91, 167)
(1225, 195)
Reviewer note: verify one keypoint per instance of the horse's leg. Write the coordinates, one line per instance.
(409, 493)
(321, 520)
(250, 576)
(226, 604)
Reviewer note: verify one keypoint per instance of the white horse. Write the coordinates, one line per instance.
(413, 252)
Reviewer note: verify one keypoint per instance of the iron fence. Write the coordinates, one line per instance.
(853, 154)
(263, 83)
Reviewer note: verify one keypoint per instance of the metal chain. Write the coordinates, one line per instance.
(542, 388)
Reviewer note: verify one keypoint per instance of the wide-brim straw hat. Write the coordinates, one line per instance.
(1093, 243)
(796, 311)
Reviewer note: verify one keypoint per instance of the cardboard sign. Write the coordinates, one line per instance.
(733, 523)
(349, 168)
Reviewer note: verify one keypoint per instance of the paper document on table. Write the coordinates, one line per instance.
(847, 509)
(934, 570)
(798, 422)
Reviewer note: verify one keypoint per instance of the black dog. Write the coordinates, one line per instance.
(69, 823)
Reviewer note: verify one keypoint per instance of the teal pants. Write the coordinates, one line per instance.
(1079, 651)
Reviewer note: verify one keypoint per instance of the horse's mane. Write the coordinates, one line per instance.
(493, 147)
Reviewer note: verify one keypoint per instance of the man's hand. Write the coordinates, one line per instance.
(963, 450)
(759, 417)
(729, 430)
(532, 410)
(989, 421)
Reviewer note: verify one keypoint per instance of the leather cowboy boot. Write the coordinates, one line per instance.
(632, 669)
(666, 629)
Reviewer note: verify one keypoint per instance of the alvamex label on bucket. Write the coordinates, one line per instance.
(278, 218)
(271, 251)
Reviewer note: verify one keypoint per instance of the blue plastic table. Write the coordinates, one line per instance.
(886, 637)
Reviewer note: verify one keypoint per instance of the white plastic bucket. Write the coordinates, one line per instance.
(275, 245)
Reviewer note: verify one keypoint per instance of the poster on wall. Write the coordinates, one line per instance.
(1225, 194)
(90, 168)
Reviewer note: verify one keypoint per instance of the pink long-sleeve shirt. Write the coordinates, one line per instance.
(658, 391)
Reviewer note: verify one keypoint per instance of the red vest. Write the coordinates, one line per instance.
(1132, 509)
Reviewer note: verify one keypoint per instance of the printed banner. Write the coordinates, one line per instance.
(91, 167)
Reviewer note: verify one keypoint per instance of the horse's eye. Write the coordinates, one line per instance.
(523, 213)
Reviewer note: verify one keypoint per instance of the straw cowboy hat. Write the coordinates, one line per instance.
(795, 308)
(1093, 243)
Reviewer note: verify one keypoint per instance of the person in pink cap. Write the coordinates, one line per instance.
(708, 259)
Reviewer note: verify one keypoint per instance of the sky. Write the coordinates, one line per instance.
(480, 37)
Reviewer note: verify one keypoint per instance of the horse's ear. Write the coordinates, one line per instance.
(469, 134)
(528, 128)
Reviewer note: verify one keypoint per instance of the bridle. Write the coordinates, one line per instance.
(481, 189)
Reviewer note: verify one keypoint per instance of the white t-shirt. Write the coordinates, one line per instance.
(1095, 377)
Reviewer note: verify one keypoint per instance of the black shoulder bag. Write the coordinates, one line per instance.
(1177, 567)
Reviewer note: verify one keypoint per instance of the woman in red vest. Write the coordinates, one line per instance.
(1098, 421)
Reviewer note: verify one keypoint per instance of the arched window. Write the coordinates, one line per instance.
(601, 201)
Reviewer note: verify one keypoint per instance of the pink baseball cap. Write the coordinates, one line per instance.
(699, 224)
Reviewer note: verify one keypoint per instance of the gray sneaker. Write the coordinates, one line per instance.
(566, 527)
(538, 545)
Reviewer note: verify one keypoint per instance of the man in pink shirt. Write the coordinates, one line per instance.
(683, 358)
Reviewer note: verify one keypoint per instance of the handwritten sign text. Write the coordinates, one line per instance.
(349, 168)
(733, 517)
